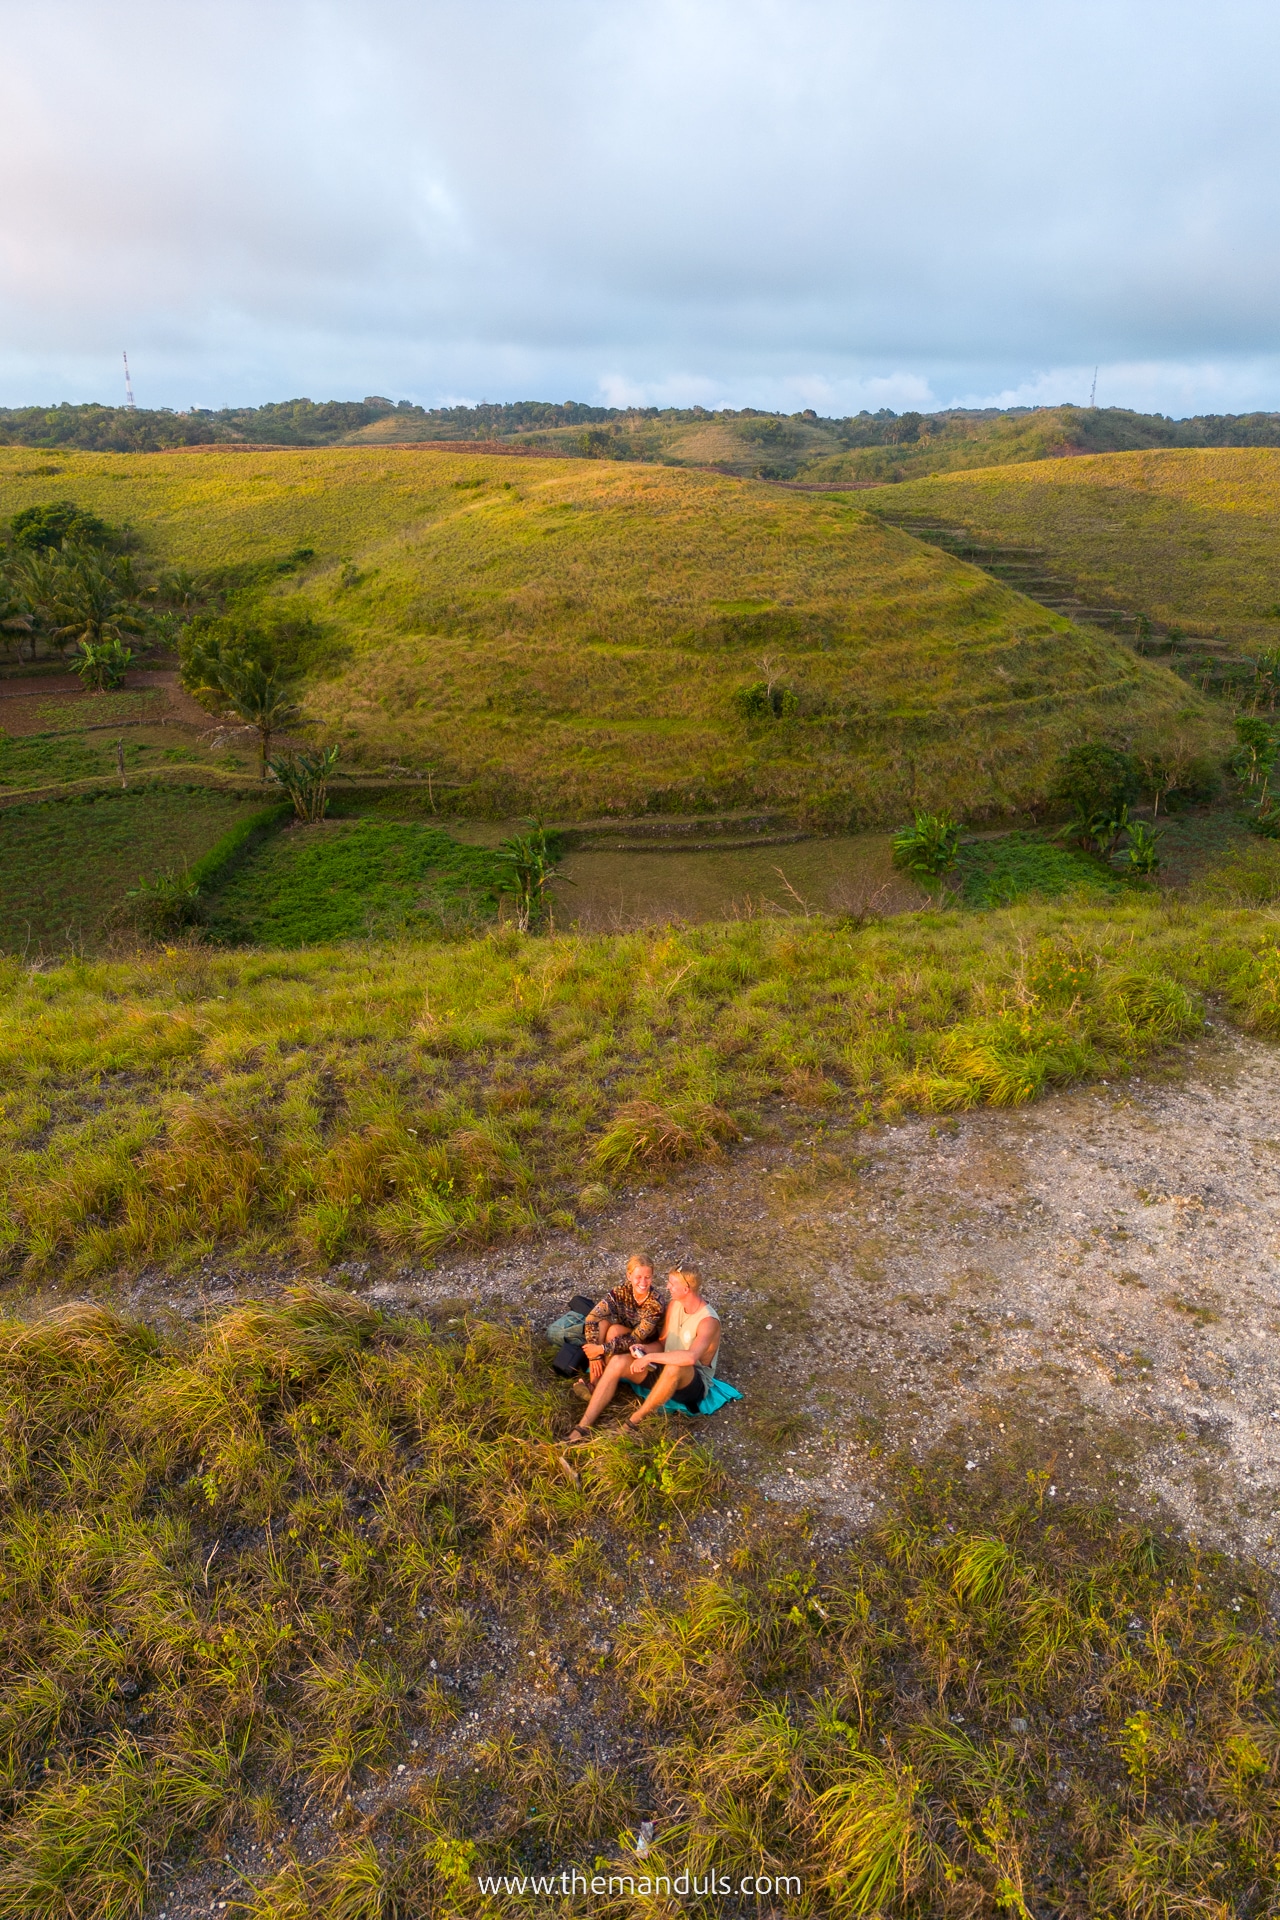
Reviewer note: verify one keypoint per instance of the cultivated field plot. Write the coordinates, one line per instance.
(66, 866)
(355, 879)
(584, 637)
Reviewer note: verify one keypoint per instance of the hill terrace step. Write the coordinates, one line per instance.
(722, 844)
(691, 833)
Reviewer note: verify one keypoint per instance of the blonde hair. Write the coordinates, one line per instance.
(689, 1275)
(637, 1260)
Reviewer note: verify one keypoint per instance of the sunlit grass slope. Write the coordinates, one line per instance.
(413, 1098)
(571, 635)
(1188, 536)
(251, 1574)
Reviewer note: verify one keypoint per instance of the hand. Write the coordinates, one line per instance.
(639, 1353)
(594, 1371)
(593, 1349)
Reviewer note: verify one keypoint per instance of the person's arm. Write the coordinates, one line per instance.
(653, 1345)
(703, 1342)
(593, 1328)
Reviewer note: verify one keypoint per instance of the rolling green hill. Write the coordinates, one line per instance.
(858, 450)
(1188, 537)
(581, 637)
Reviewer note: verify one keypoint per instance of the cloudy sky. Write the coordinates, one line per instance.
(781, 203)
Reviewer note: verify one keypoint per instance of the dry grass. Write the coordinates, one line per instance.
(242, 1578)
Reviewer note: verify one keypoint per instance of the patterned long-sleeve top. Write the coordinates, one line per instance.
(621, 1308)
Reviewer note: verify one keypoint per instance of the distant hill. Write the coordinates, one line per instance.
(1187, 538)
(859, 450)
(587, 637)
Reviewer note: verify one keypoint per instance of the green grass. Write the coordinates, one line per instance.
(33, 762)
(996, 873)
(102, 709)
(568, 637)
(412, 1098)
(66, 865)
(1187, 536)
(253, 1571)
(365, 878)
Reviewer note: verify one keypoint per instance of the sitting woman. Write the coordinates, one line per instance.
(681, 1368)
(629, 1315)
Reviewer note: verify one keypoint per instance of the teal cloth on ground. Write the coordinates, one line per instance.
(718, 1395)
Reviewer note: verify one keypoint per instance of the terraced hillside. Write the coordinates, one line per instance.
(1187, 537)
(589, 637)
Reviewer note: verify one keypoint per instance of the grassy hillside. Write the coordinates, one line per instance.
(412, 1098)
(577, 636)
(1190, 537)
(859, 449)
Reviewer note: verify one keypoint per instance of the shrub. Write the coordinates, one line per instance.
(163, 906)
(526, 863)
(765, 700)
(305, 778)
(1197, 784)
(1096, 779)
(928, 847)
(102, 665)
(1144, 848)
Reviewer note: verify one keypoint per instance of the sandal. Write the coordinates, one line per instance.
(631, 1425)
(579, 1437)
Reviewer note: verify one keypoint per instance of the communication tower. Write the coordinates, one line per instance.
(128, 384)
(1093, 391)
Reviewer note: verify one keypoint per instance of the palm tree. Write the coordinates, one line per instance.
(261, 693)
(87, 599)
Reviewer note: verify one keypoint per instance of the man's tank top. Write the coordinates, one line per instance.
(682, 1328)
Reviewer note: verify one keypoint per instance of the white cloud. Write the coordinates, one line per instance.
(833, 203)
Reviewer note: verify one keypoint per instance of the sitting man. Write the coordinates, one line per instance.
(681, 1368)
(629, 1315)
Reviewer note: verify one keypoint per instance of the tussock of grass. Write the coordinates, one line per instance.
(570, 637)
(417, 1097)
(226, 1569)
(1010, 1710)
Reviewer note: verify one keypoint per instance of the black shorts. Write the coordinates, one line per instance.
(690, 1397)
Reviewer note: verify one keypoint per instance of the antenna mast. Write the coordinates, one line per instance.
(128, 384)
(1093, 391)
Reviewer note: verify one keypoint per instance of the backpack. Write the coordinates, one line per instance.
(570, 1324)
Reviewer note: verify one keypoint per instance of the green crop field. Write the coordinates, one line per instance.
(66, 866)
(369, 878)
(573, 636)
(1188, 536)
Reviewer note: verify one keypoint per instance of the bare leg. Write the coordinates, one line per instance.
(612, 1332)
(669, 1381)
(616, 1366)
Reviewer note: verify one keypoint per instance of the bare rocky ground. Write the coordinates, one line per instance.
(1104, 1265)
